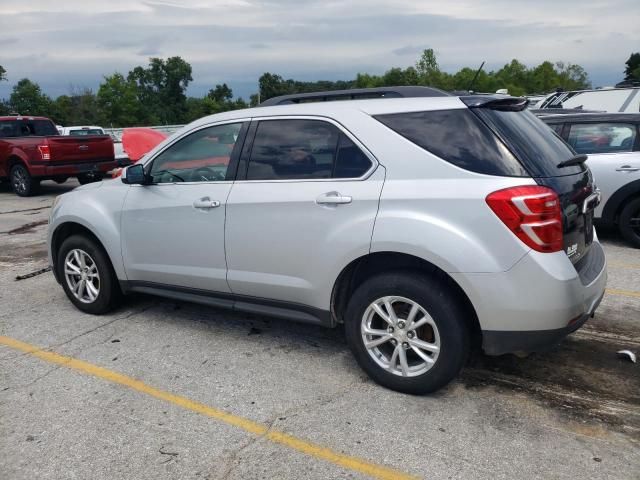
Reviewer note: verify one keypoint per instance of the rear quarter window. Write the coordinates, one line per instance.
(458, 137)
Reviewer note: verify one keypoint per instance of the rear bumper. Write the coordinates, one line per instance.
(495, 342)
(73, 169)
(537, 302)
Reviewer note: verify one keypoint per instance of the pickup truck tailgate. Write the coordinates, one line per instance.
(80, 149)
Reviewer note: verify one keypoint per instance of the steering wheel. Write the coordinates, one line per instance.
(208, 174)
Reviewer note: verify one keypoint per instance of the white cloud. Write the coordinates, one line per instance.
(79, 41)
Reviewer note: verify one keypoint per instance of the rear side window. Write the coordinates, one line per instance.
(303, 149)
(539, 148)
(459, 137)
(602, 137)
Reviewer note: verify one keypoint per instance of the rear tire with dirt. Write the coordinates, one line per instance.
(408, 331)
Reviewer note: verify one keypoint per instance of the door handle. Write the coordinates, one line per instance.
(627, 168)
(333, 198)
(206, 202)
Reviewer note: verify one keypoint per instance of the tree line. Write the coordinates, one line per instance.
(155, 94)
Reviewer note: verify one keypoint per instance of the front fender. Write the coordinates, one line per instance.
(97, 210)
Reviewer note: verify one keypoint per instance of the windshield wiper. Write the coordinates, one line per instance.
(575, 160)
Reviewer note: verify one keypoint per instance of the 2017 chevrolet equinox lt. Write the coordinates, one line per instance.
(421, 221)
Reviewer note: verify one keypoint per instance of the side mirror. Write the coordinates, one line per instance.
(134, 175)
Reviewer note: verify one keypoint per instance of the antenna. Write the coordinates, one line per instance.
(475, 77)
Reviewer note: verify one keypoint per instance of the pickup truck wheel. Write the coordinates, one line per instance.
(23, 184)
(87, 276)
(629, 222)
(407, 331)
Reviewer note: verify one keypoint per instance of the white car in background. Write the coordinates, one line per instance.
(608, 99)
(612, 141)
(82, 130)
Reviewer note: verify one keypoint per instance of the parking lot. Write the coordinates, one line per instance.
(174, 390)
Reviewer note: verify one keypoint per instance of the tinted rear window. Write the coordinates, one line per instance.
(25, 128)
(459, 137)
(537, 146)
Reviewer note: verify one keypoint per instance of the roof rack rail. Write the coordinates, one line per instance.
(356, 94)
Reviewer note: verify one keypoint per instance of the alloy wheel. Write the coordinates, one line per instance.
(82, 276)
(400, 336)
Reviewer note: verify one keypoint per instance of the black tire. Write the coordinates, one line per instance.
(629, 222)
(23, 184)
(444, 307)
(109, 294)
(84, 179)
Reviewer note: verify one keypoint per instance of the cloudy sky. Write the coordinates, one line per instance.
(76, 42)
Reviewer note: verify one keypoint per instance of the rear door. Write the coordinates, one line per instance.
(303, 207)
(541, 150)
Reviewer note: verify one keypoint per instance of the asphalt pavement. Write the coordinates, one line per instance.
(162, 389)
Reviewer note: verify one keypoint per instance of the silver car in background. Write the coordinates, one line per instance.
(423, 222)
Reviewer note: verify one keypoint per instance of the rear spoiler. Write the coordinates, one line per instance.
(495, 102)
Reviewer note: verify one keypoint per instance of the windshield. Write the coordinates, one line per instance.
(536, 145)
(86, 131)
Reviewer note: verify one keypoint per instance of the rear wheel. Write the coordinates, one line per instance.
(629, 222)
(23, 184)
(407, 331)
(87, 276)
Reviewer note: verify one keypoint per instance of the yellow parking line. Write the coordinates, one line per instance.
(624, 293)
(348, 462)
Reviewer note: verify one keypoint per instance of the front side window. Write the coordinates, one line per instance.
(602, 137)
(202, 156)
(303, 149)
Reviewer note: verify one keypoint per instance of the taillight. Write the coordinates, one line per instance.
(45, 152)
(532, 213)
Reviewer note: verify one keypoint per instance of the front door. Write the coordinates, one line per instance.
(173, 229)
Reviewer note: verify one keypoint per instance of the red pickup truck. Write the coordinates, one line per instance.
(32, 150)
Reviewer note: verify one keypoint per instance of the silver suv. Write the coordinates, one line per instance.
(425, 223)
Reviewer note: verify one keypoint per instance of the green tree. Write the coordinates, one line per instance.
(162, 88)
(27, 99)
(632, 69)
(118, 102)
(3, 73)
(221, 93)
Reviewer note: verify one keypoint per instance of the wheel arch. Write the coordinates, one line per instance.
(66, 230)
(358, 270)
(616, 202)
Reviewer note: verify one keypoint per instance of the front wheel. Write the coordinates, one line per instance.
(23, 184)
(87, 276)
(407, 331)
(629, 222)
